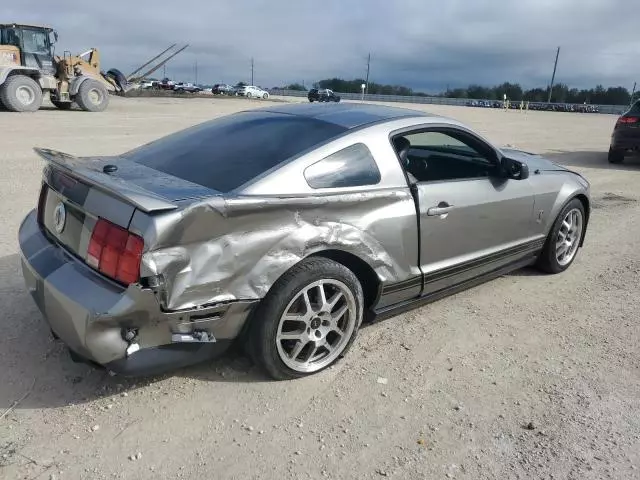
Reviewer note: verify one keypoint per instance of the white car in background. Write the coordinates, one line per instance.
(251, 91)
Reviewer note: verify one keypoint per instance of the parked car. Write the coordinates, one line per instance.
(166, 84)
(323, 95)
(625, 138)
(283, 228)
(251, 91)
(186, 87)
(149, 85)
(222, 89)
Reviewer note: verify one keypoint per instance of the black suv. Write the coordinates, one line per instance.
(626, 134)
(324, 95)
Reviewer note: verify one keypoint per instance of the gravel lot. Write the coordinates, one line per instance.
(465, 376)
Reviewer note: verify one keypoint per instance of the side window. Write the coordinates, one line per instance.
(353, 166)
(433, 156)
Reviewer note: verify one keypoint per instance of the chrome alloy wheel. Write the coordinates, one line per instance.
(569, 235)
(316, 326)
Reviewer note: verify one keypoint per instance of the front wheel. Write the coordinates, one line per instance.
(561, 247)
(248, 95)
(92, 96)
(308, 320)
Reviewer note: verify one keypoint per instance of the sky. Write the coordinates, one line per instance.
(427, 45)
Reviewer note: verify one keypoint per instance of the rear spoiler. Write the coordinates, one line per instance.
(139, 197)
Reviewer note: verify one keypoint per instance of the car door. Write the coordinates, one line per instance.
(473, 220)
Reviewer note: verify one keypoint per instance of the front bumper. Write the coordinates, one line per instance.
(90, 313)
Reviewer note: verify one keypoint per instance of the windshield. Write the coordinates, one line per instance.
(226, 153)
(35, 41)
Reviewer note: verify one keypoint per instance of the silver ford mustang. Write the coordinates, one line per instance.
(283, 228)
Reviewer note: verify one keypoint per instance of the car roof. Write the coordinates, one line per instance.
(347, 115)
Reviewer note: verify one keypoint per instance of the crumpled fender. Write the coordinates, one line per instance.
(237, 249)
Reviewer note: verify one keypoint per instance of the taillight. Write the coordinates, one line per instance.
(115, 252)
(627, 120)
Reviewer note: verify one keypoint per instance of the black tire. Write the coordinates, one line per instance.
(616, 156)
(311, 100)
(548, 261)
(14, 101)
(92, 96)
(261, 341)
(265, 96)
(61, 105)
(118, 77)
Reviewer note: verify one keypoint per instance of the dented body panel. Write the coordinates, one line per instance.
(237, 248)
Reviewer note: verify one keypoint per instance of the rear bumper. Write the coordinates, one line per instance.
(90, 314)
(625, 142)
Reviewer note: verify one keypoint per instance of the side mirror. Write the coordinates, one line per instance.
(514, 169)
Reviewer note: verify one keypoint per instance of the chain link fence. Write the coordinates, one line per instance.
(606, 109)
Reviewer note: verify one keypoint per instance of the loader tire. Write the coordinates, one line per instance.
(20, 93)
(92, 96)
(118, 77)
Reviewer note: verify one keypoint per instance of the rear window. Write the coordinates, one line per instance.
(353, 166)
(226, 153)
(635, 109)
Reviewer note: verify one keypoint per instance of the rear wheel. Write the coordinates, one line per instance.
(308, 320)
(92, 96)
(265, 96)
(563, 242)
(20, 93)
(615, 155)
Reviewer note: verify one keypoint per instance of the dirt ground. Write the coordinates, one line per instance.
(525, 377)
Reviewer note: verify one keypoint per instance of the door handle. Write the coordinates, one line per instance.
(442, 209)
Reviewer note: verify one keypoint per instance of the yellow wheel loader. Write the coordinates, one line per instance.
(29, 70)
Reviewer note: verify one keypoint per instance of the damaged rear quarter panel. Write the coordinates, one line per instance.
(235, 248)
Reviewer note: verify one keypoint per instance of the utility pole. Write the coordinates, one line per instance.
(164, 71)
(366, 82)
(633, 92)
(196, 83)
(251, 70)
(553, 77)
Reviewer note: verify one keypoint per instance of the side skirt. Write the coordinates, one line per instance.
(398, 308)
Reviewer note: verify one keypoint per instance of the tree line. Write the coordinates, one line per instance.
(561, 93)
